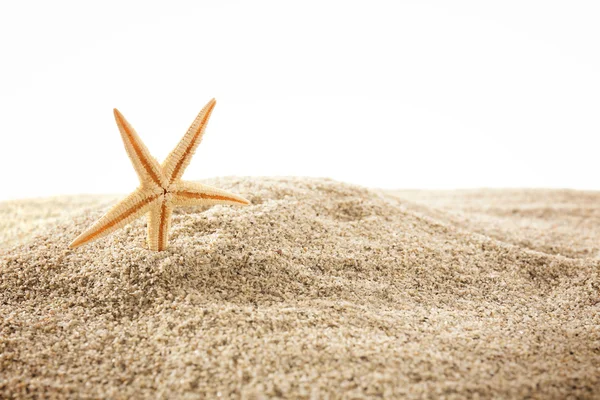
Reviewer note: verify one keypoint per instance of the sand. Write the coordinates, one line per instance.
(318, 290)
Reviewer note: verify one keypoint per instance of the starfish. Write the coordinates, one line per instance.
(161, 187)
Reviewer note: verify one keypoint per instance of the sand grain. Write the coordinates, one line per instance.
(319, 288)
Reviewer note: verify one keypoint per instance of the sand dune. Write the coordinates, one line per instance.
(318, 289)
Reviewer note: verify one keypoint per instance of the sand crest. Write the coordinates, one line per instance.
(318, 289)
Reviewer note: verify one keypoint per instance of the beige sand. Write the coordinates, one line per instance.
(317, 290)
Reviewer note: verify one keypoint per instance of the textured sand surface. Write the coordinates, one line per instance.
(317, 290)
(22, 219)
(557, 222)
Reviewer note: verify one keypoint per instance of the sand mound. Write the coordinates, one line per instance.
(317, 288)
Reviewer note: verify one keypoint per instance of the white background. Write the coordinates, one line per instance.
(399, 94)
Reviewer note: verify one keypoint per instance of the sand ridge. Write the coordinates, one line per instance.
(317, 289)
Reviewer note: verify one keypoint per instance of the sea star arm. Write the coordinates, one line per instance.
(159, 222)
(124, 212)
(177, 161)
(187, 193)
(148, 169)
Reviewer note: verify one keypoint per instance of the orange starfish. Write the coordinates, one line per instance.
(161, 186)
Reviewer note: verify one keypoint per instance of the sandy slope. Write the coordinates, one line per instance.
(557, 222)
(317, 288)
